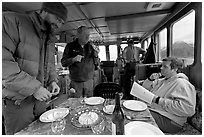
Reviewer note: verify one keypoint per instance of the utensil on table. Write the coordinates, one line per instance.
(135, 118)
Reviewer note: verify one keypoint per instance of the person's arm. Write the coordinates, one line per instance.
(124, 54)
(96, 50)
(66, 59)
(53, 77)
(181, 101)
(14, 78)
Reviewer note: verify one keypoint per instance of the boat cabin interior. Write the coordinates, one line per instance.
(112, 24)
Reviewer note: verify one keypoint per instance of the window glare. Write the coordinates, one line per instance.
(102, 53)
(113, 50)
(123, 46)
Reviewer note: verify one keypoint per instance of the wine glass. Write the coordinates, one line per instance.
(83, 97)
(58, 126)
(98, 128)
(121, 95)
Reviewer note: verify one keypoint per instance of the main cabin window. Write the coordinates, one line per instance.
(102, 53)
(145, 45)
(162, 44)
(183, 38)
(113, 50)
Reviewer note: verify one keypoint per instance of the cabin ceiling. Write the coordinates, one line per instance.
(107, 21)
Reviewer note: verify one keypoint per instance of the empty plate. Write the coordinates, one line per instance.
(141, 128)
(94, 100)
(53, 114)
(135, 105)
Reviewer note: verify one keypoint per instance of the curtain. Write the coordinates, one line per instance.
(150, 55)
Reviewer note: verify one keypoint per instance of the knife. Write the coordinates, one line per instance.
(47, 103)
(146, 118)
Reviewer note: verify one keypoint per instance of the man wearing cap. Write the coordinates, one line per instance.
(28, 71)
(131, 55)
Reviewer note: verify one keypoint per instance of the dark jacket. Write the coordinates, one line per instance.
(79, 71)
(26, 63)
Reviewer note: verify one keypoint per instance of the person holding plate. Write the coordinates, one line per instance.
(174, 96)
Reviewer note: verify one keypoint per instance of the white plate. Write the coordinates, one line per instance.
(88, 118)
(109, 109)
(53, 114)
(94, 100)
(135, 105)
(141, 128)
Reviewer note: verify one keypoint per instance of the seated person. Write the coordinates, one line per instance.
(175, 96)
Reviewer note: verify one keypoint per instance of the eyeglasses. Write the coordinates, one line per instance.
(59, 20)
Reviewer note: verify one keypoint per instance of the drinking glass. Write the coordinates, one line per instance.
(83, 97)
(121, 95)
(58, 126)
(98, 128)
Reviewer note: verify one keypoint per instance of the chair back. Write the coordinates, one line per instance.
(107, 90)
(107, 67)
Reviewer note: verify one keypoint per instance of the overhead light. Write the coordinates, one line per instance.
(151, 6)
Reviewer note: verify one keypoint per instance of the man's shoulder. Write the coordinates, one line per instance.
(183, 81)
(14, 15)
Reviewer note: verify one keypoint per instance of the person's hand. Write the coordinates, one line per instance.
(155, 76)
(18, 99)
(55, 89)
(42, 94)
(78, 58)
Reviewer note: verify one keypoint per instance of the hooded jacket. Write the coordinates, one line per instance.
(27, 55)
(178, 97)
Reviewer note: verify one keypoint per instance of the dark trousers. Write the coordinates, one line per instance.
(166, 124)
(79, 86)
(17, 117)
(129, 74)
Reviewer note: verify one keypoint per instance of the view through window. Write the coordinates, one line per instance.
(163, 44)
(183, 38)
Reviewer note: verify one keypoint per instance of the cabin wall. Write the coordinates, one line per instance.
(195, 70)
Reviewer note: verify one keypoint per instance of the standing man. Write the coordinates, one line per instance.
(80, 57)
(131, 55)
(28, 71)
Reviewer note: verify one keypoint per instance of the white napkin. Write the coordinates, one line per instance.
(142, 93)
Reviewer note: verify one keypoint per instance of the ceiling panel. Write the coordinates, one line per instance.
(134, 24)
(113, 19)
